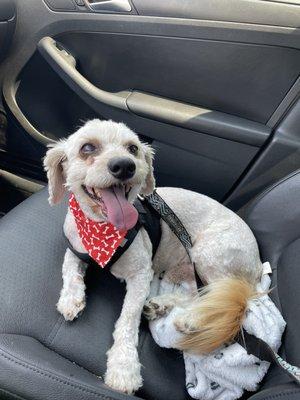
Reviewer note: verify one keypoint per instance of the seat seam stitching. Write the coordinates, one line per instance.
(54, 331)
(15, 395)
(55, 378)
(277, 395)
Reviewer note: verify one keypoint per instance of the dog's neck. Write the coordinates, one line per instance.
(100, 239)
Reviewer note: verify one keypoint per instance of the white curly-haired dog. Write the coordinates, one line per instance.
(224, 249)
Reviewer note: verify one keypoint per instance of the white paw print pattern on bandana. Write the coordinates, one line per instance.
(100, 239)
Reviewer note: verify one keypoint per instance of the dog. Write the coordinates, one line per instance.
(105, 166)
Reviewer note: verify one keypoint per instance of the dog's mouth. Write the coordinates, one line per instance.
(114, 204)
(94, 194)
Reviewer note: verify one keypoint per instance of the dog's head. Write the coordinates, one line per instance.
(106, 166)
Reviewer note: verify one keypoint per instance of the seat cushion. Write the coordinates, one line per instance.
(37, 346)
(32, 248)
(274, 217)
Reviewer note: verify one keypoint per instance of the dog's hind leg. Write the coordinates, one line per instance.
(161, 305)
(178, 289)
(72, 295)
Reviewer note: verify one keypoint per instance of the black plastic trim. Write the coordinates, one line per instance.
(7, 10)
(198, 119)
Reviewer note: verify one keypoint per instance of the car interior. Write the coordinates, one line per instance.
(213, 86)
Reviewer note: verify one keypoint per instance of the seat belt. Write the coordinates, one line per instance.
(260, 349)
(176, 226)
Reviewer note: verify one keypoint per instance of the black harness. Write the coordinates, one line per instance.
(149, 219)
(151, 210)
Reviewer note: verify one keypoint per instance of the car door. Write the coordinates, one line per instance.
(212, 85)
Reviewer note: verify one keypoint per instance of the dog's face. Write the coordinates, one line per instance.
(106, 166)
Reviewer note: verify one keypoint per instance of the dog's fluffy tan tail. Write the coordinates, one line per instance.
(218, 313)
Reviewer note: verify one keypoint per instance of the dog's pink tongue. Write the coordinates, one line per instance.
(120, 212)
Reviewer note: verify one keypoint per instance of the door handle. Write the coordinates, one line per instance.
(109, 5)
(65, 65)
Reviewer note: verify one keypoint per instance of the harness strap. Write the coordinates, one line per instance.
(260, 349)
(168, 215)
(150, 220)
(176, 226)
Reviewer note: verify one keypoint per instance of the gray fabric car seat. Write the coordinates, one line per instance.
(44, 357)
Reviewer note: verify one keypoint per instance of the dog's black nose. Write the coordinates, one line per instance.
(122, 168)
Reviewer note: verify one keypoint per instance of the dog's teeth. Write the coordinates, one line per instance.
(127, 188)
(89, 189)
(98, 192)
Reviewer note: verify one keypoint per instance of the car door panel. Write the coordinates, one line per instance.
(216, 75)
(7, 25)
(206, 92)
(265, 12)
(149, 105)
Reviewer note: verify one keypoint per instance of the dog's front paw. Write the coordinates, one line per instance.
(70, 306)
(123, 370)
(127, 380)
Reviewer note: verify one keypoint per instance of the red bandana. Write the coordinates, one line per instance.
(100, 239)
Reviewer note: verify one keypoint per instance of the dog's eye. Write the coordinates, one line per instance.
(133, 149)
(88, 148)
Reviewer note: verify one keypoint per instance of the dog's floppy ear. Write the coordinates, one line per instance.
(149, 185)
(53, 166)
